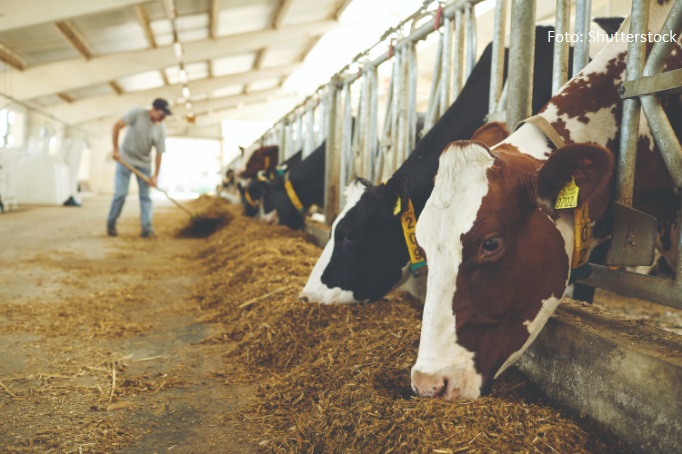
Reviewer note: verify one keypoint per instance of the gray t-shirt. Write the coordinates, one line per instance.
(141, 133)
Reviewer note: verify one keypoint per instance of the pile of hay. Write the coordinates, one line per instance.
(337, 378)
(210, 215)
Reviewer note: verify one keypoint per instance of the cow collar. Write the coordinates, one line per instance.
(582, 231)
(408, 220)
(293, 197)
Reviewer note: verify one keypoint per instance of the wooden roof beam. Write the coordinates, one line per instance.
(116, 87)
(143, 18)
(113, 104)
(213, 17)
(280, 13)
(9, 58)
(74, 37)
(25, 13)
(63, 76)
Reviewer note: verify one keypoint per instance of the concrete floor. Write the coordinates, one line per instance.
(80, 310)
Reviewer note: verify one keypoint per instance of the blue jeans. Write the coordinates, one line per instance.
(121, 183)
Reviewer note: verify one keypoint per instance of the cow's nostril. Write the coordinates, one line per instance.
(303, 299)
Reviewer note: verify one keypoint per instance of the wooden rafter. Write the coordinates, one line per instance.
(143, 18)
(340, 8)
(280, 13)
(164, 77)
(11, 59)
(64, 97)
(311, 45)
(116, 87)
(213, 17)
(74, 37)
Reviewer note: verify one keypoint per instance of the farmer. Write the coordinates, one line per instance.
(145, 128)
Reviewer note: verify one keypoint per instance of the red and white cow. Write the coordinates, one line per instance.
(499, 253)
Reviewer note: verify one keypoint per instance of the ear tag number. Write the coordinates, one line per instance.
(568, 196)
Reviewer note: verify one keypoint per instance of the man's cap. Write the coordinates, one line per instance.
(162, 105)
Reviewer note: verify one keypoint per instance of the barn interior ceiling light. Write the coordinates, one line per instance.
(171, 12)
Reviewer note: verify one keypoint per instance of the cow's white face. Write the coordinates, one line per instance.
(445, 368)
(315, 290)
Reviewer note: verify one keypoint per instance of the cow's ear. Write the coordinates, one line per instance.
(590, 165)
(397, 194)
(491, 133)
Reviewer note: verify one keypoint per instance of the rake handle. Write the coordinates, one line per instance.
(146, 179)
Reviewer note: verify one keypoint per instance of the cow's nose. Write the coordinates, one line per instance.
(429, 385)
(303, 298)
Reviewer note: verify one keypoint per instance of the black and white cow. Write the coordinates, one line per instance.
(289, 196)
(253, 189)
(366, 255)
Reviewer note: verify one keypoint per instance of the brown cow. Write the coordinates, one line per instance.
(500, 253)
(264, 158)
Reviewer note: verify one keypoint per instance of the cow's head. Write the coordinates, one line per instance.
(366, 255)
(366, 252)
(277, 206)
(499, 258)
(264, 158)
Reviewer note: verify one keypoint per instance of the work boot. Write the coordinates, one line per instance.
(148, 233)
(111, 231)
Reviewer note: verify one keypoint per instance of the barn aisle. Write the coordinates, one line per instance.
(101, 346)
(188, 345)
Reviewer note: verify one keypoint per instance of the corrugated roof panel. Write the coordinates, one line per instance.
(141, 81)
(198, 70)
(264, 84)
(46, 101)
(92, 90)
(114, 31)
(184, 7)
(163, 31)
(246, 16)
(302, 11)
(233, 65)
(285, 53)
(39, 44)
(231, 90)
(192, 27)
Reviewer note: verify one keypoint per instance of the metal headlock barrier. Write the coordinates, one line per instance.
(359, 144)
(644, 81)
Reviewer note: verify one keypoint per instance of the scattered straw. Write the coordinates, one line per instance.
(7, 389)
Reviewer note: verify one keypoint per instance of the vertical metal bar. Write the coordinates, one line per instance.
(470, 21)
(581, 50)
(411, 100)
(560, 57)
(497, 63)
(663, 133)
(521, 53)
(631, 107)
(346, 141)
(433, 108)
(309, 143)
(374, 120)
(445, 58)
(363, 119)
(332, 163)
(299, 134)
(402, 109)
(395, 114)
(458, 63)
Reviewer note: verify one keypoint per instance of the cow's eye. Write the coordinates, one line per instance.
(491, 245)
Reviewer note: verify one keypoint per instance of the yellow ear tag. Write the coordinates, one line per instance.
(568, 196)
(396, 208)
